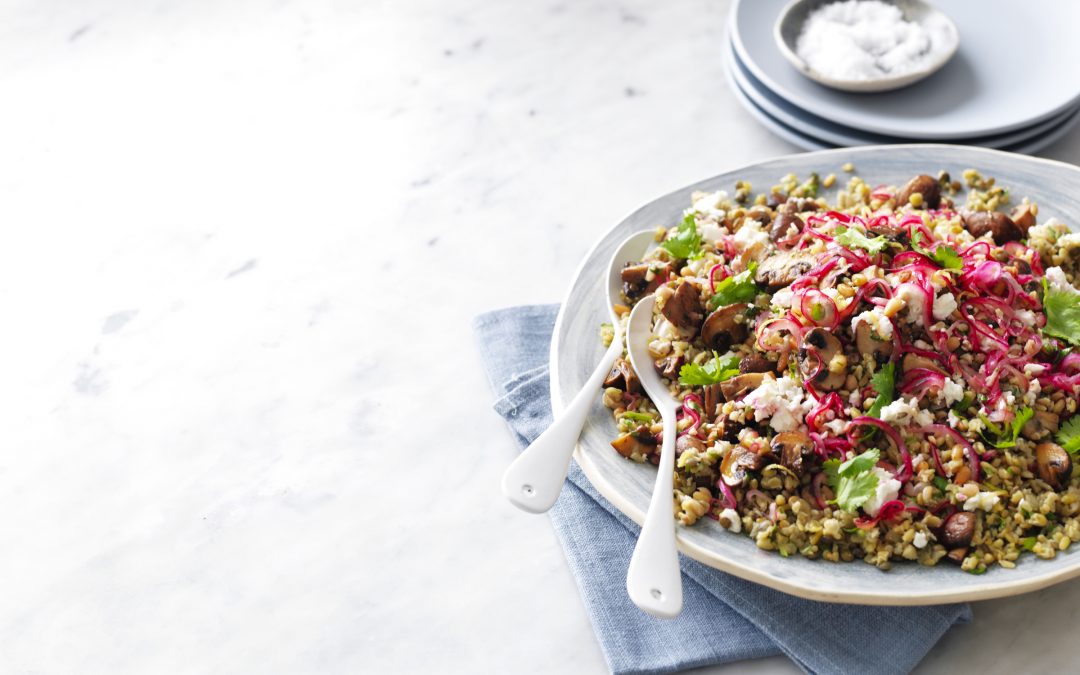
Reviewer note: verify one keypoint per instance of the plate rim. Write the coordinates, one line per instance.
(1010, 139)
(808, 104)
(896, 598)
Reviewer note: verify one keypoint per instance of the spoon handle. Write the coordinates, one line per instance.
(654, 581)
(535, 479)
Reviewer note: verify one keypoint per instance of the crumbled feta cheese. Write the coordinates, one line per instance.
(1026, 316)
(950, 393)
(750, 236)
(783, 297)
(915, 300)
(1056, 278)
(888, 488)
(838, 427)
(906, 413)
(954, 419)
(855, 398)
(878, 322)
(944, 305)
(984, 500)
(665, 329)
(709, 204)
(711, 232)
(783, 402)
(1034, 389)
(733, 520)
(919, 541)
(1034, 368)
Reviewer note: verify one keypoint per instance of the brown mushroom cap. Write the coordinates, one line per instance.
(735, 387)
(688, 442)
(628, 445)
(622, 376)
(1041, 424)
(925, 185)
(684, 309)
(756, 364)
(1001, 227)
(817, 350)
(867, 342)
(781, 268)
(795, 450)
(637, 280)
(1024, 216)
(912, 361)
(785, 221)
(1054, 464)
(738, 462)
(669, 366)
(958, 529)
(721, 329)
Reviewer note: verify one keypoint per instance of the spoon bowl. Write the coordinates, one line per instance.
(534, 480)
(794, 17)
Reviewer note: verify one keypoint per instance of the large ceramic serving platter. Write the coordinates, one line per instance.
(839, 135)
(576, 349)
(1015, 68)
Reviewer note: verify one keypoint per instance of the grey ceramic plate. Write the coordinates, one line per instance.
(839, 135)
(576, 348)
(988, 87)
(807, 141)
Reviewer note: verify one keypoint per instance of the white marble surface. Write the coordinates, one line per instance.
(244, 425)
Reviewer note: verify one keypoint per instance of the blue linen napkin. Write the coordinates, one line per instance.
(724, 618)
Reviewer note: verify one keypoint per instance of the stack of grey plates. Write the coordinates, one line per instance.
(1014, 84)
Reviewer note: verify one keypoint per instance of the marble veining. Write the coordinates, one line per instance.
(244, 425)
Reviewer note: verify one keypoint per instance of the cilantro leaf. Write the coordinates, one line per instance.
(1062, 308)
(884, 383)
(945, 256)
(710, 372)
(860, 463)
(686, 242)
(940, 483)
(853, 492)
(1006, 435)
(1069, 435)
(854, 481)
(854, 239)
(1028, 543)
(738, 288)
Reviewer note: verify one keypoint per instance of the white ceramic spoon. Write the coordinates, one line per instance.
(653, 580)
(535, 479)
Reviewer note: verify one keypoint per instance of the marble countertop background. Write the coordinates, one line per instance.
(244, 423)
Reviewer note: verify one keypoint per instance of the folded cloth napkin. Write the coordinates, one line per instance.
(724, 618)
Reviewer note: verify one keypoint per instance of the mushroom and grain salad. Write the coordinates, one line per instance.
(893, 376)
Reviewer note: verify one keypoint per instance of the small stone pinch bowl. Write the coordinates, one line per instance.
(792, 18)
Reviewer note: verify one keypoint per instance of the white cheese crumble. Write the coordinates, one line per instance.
(983, 500)
(951, 392)
(665, 329)
(944, 305)
(1069, 240)
(906, 413)
(783, 402)
(1034, 389)
(1056, 278)
(876, 319)
(732, 517)
(919, 541)
(783, 297)
(709, 204)
(915, 300)
(838, 427)
(887, 490)
(1026, 316)
(750, 236)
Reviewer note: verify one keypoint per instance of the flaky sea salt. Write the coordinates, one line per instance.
(868, 40)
